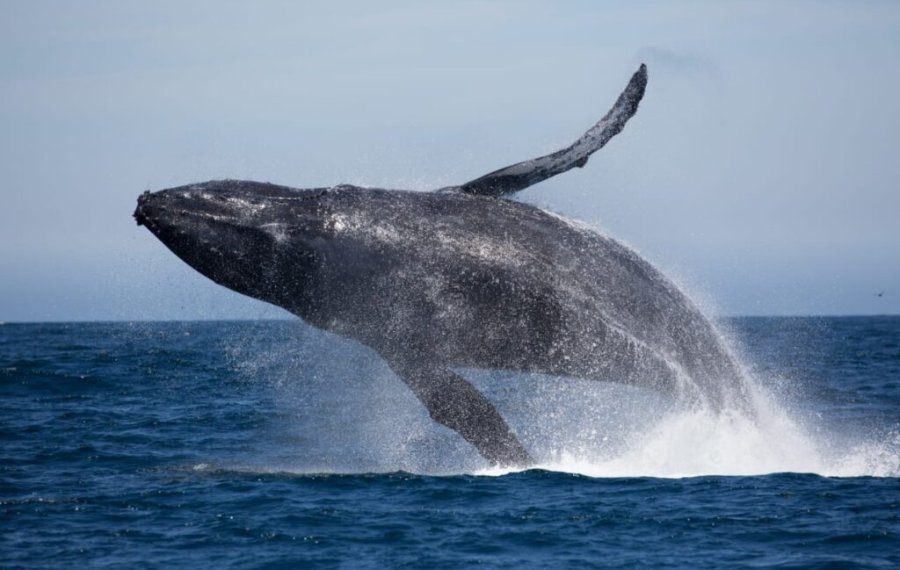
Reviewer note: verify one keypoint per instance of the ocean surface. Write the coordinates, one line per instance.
(273, 445)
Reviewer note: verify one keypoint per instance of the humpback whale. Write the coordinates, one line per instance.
(461, 277)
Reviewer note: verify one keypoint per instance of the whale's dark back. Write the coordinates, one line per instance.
(492, 283)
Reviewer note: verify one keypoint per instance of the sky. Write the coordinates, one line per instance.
(760, 172)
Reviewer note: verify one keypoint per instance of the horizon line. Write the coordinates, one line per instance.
(297, 319)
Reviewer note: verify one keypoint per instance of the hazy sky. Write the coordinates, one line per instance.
(761, 170)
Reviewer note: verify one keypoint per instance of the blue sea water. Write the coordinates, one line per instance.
(272, 445)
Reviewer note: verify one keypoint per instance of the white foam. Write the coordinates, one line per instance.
(690, 443)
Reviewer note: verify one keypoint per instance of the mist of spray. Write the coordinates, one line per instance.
(341, 410)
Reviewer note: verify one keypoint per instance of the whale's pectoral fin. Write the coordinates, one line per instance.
(523, 174)
(454, 402)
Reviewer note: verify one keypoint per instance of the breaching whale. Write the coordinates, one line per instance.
(461, 277)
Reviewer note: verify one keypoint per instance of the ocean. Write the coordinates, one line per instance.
(270, 444)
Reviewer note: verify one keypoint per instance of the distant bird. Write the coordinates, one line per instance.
(880, 294)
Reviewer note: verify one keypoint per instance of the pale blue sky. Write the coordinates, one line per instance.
(761, 170)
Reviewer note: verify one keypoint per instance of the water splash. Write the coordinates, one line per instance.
(343, 411)
(697, 443)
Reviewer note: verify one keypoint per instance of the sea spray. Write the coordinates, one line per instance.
(365, 420)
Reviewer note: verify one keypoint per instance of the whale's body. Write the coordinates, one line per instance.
(454, 279)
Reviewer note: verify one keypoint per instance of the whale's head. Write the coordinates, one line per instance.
(258, 239)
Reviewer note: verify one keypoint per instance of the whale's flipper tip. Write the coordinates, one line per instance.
(523, 174)
(455, 403)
